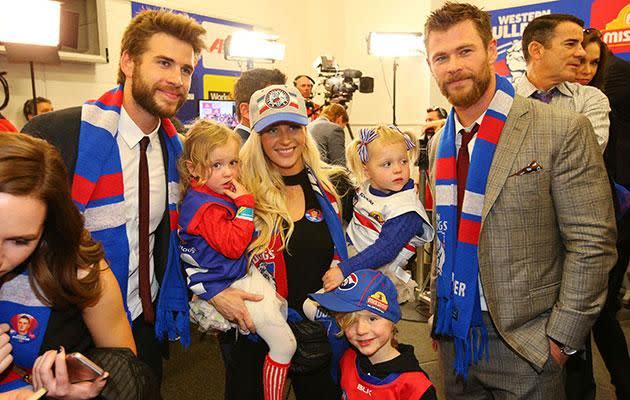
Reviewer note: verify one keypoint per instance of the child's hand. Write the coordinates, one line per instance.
(332, 278)
(238, 190)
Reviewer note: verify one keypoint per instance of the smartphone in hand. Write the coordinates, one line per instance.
(81, 368)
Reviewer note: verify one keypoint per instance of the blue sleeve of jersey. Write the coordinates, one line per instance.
(395, 234)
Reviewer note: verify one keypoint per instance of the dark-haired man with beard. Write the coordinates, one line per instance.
(521, 263)
(121, 152)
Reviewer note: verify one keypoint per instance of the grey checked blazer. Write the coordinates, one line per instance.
(547, 237)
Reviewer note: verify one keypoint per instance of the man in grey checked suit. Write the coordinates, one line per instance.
(547, 238)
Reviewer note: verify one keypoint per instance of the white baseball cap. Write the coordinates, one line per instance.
(276, 103)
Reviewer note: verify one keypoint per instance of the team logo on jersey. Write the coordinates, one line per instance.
(277, 98)
(314, 215)
(377, 216)
(350, 282)
(378, 301)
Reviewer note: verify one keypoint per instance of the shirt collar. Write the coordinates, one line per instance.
(131, 133)
(243, 127)
(459, 126)
(526, 88)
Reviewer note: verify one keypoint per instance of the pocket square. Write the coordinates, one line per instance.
(532, 167)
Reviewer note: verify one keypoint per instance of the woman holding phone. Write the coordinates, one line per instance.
(57, 294)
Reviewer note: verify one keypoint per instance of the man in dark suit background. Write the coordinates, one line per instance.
(158, 53)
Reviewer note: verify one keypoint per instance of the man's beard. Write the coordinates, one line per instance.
(144, 95)
(467, 99)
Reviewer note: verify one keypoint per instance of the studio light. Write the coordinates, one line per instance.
(391, 44)
(34, 22)
(395, 44)
(29, 30)
(253, 46)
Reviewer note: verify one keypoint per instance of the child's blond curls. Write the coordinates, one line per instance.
(202, 138)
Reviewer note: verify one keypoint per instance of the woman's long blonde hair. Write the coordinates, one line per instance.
(384, 135)
(262, 178)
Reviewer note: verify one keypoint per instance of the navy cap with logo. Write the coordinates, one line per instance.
(364, 289)
(275, 104)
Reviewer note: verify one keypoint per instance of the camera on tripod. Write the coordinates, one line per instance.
(340, 85)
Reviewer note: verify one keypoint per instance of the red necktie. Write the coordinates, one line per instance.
(143, 234)
(463, 160)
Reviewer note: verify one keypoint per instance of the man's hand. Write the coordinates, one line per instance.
(435, 125)
(332, 278)
(5, 348)
(231, 304)
(558, 356)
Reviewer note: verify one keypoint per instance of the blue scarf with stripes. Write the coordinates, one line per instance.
(458, 305)
(98, 192)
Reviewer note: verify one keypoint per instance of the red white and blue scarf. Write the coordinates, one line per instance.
(458, 304)
(97, 190)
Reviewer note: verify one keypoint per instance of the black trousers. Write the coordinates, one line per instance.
(150, 350)
(243, 375)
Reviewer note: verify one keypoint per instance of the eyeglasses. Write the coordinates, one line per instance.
(593, 31)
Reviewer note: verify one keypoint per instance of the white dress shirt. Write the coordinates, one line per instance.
(471, 146)
(128, 139)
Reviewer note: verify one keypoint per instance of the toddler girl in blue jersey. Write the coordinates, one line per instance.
(215, 229)
(389, 221)
(376, 366)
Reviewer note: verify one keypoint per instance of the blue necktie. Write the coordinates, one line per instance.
(545, 97)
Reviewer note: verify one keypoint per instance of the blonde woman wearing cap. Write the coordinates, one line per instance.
(299, 234)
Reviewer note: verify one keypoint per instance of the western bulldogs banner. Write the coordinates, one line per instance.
(611, 17)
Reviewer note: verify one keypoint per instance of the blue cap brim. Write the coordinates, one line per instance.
(265, 122)
(332, 302)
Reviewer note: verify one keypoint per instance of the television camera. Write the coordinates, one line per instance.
(339, 85)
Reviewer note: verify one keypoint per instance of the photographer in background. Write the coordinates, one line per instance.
(436, 117)
(30, 109)
(435, 120)
(304, 84)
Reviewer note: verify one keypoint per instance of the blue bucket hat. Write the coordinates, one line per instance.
(366, 289)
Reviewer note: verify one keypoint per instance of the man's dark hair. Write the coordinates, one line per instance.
(253, 80)
(541, 30)
(451, 14)
(439, 110)
(302, 76)
(29, 106)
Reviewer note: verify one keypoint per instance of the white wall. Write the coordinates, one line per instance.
(309, 29)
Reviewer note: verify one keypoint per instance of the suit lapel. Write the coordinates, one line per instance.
(507, 149)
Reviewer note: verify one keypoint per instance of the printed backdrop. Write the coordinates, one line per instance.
(611, 17)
